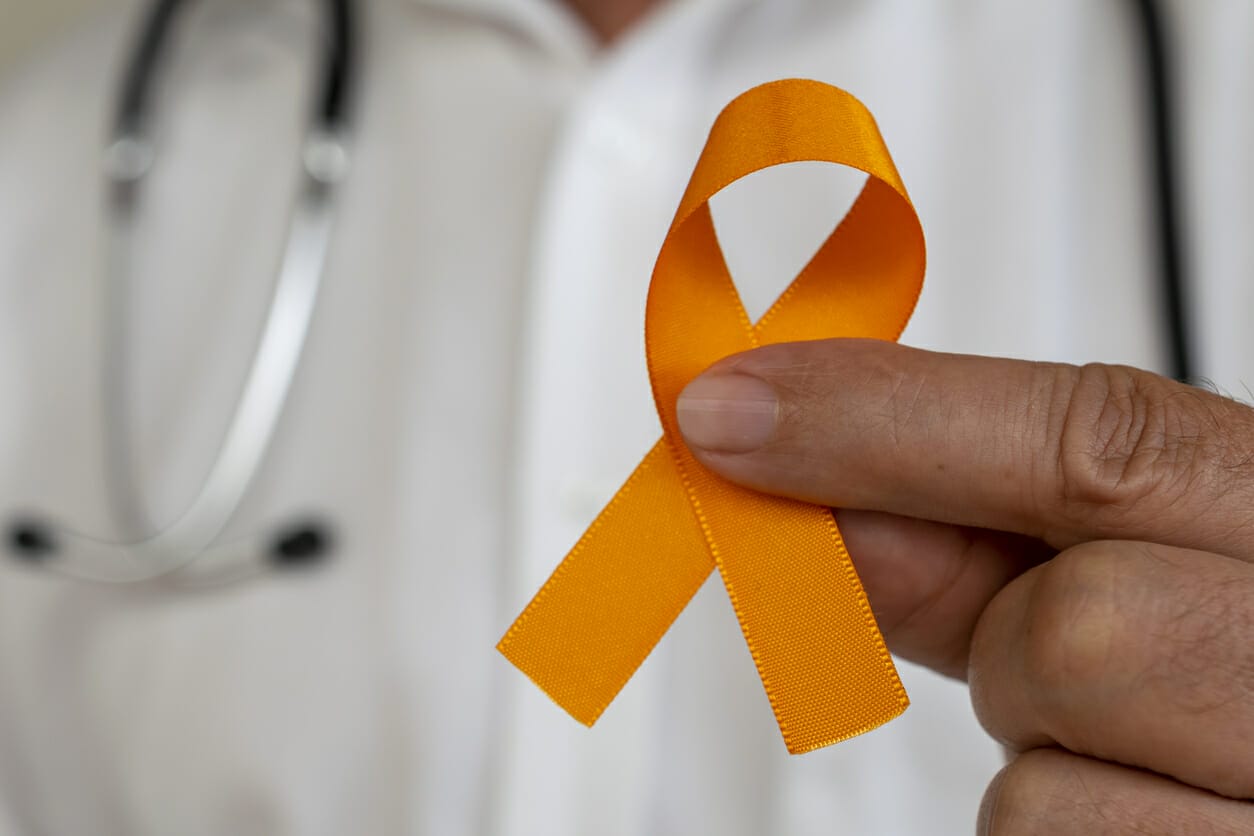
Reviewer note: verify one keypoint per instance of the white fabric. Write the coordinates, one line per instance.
(474, 389)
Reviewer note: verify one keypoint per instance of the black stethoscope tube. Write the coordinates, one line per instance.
(325, 160)
(1161, 115)
(134, 104)
(330, 114)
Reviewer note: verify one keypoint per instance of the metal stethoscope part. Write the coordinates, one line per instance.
(188, 550)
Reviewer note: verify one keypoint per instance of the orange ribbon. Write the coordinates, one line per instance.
(800, 604)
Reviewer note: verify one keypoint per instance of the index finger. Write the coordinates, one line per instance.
(1063, 453)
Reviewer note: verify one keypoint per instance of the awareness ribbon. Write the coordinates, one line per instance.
(796, 594)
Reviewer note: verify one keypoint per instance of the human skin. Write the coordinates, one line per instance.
(1076, 543)
(610, 19)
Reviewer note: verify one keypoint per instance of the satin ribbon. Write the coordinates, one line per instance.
(796, 594)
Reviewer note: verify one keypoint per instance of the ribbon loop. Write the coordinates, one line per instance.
(796, 595)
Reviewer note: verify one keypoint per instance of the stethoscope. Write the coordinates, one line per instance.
(189, 551)
(1168, 223)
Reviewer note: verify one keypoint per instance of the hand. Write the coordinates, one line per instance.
(1075, 542)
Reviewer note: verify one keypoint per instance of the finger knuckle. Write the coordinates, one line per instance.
(1073, 626)
(1130, 442)
(1144, 631)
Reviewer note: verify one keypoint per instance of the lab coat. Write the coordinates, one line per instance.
(474, 389)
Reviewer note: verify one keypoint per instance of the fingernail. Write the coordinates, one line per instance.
(727, 413)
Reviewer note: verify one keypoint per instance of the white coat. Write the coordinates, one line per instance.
(474, 389)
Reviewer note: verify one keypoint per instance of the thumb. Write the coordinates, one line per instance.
(927, 582)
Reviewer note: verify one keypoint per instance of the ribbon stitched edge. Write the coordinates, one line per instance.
(796, 594)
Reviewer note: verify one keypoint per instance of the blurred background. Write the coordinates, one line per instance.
(469, 399)
(27, 25)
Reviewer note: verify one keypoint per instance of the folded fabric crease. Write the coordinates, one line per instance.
(794, 589)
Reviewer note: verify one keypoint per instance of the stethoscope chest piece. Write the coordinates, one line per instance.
(31, 541)
(301, 543)
(191, 548)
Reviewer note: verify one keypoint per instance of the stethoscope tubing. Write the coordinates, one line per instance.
(169, 550)
(1161, 115)
(331, 112)
(325, 160)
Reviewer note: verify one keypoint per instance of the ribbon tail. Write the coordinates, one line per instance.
(802, 609)
(615, 594)
(810, 629)
(799, 601)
